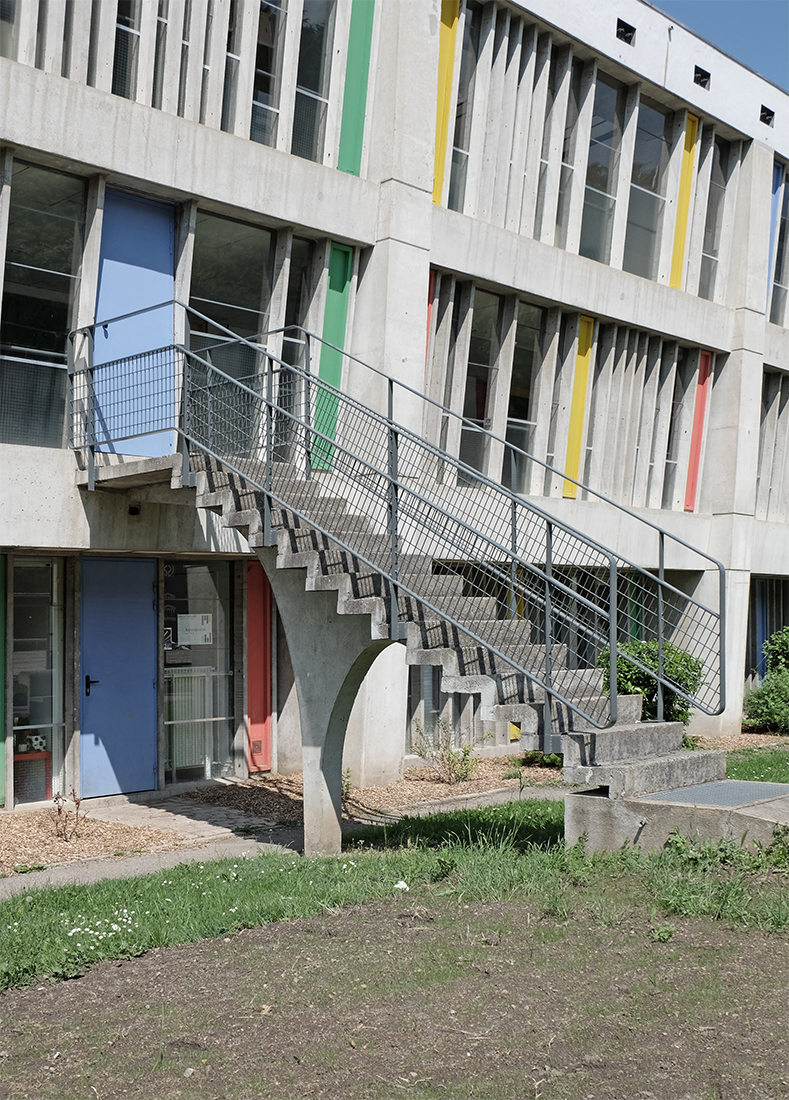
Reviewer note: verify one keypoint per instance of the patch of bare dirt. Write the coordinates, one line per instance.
(429, 998)
(28, 840)
(744, 740)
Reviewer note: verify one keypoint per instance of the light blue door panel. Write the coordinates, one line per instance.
(119, 709)
(136, 270)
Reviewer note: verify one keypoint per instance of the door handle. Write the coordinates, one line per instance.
(88, 682)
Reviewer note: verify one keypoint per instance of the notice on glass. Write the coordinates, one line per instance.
(195, 630)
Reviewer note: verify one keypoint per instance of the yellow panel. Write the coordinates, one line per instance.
(515, 732)
(683, 203)
(446, 63)
(578, 407)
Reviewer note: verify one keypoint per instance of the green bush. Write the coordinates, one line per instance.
(768, 705)
(776, 650)
(679, 668)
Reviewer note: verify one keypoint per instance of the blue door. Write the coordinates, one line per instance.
(136, 270)
(118, 685)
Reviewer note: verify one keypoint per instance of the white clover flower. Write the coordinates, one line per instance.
(401, 885)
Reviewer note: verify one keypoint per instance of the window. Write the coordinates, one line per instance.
(625, 33)
(268, 72)
(701, 77)
(184, 63)
(159, 53)
(312, 79)
(9, 27)
(602, 170)
(766, 116)
(526, 362)
(781, 276)
(37, 675)
(482, 360)
(712, 226)
(43, 253)
(647, 188)
(232, 61)
(198, 670)
(465, 103)
(127, 46)
(232, 275)
(554, 80)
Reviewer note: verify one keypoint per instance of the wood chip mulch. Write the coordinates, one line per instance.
(28, 841)
(280, 797)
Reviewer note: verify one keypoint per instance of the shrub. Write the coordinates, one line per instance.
(776, 650)
(679, 667)
(768, 705)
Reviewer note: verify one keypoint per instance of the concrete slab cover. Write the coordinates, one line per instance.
(723, 792)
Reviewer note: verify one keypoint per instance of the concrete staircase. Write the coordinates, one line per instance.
(630, 758)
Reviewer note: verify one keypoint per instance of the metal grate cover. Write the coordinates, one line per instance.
(724, 792)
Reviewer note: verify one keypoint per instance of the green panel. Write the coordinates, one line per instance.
(354, 104)
(330, 370)
(2, 678)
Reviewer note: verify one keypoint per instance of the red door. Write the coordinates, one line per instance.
(259, 667)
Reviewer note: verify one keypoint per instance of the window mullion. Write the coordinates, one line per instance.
(339, 61)
(625, 172)
(536, 123)
(553, 164)
(6, 170)
(582, 140)
(215, 64)
(479, 111)
(247, 48)
(706, 157)
(520, 139)
(290, 63)
(671, 196)
(147, 50)
(498, 398)
(53, 36)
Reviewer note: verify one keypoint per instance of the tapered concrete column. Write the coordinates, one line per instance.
(331, 654)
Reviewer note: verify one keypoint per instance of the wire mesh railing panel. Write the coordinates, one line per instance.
(320, 462)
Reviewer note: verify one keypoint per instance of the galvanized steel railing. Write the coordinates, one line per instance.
(410, 510)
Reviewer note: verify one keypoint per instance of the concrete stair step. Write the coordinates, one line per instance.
(626, 743)
(625, 779)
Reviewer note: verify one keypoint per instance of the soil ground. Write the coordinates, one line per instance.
(420, 996)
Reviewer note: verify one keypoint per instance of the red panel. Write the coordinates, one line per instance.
(259, 667)
(697, 434)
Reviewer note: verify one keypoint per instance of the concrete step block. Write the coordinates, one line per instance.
(625, 743)
(647, 775)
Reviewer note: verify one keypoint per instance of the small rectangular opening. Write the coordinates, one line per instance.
(766, 116)
(701, 77)
(625, 33)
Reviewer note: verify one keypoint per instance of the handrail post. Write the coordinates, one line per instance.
(187, 474)
(661, 577)
(90, 400)
(269, 539)
(547, 722)
(513, 539)
(307, 411)
(613, 687)
(395, 629)
(722, 635)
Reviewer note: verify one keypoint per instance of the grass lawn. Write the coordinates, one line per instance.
(769, 765)
(468, 954)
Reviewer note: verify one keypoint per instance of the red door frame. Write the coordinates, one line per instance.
(258, 667)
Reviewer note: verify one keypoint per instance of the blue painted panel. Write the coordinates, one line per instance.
(136, 270)
(118, 718)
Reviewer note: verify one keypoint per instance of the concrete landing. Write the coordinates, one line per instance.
(726, 809)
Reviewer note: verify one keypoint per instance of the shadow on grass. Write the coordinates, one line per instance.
(515, 825)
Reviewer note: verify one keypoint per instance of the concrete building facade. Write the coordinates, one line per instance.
(567, 223)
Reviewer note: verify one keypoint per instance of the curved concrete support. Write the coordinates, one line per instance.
(331, 654)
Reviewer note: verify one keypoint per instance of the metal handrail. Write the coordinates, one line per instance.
(404, 503)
